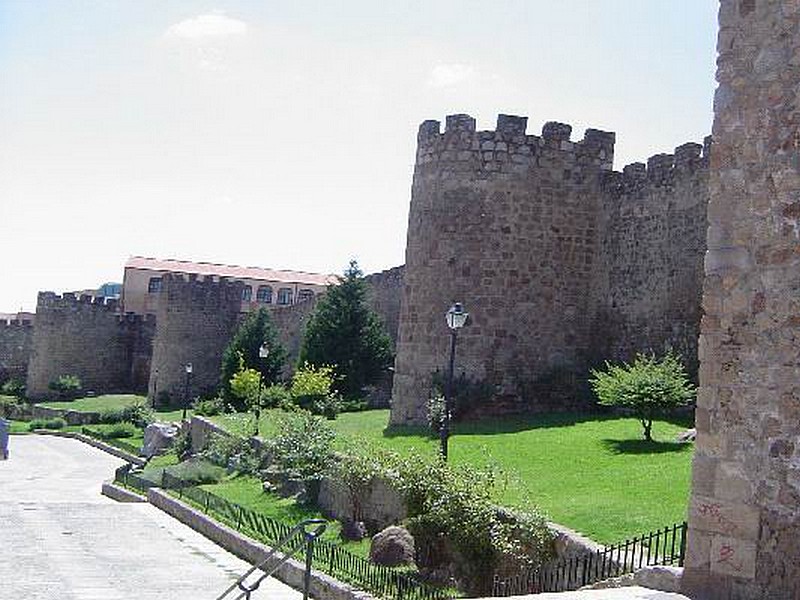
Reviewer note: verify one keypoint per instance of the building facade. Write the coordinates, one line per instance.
(143, 283)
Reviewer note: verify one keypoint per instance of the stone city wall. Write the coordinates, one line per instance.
(384, 291)
(507, 224)
(649, 282)
(560, 262)
(291, 321)
(16, 340)
(87, 337)
(744, 515)
(195, 322)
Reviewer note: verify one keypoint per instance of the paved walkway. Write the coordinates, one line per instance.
(62, 540)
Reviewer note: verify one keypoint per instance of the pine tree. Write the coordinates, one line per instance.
(255, 330)
(345, 333)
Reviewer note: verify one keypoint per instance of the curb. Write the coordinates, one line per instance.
(126, 456)
(120, 494)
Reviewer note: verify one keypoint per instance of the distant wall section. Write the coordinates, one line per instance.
(384, 293)
(196, 319)
(653, 238)
(87, 337)
(16, 340)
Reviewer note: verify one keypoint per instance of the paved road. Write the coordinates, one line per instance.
(62, 540)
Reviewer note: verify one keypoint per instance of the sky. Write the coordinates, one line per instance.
(282, 134)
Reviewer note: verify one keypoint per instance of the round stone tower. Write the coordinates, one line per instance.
(507, 224)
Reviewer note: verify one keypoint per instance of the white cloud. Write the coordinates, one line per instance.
(445, 75)
(209, 25)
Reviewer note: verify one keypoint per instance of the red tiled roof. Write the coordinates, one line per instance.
(203, 268)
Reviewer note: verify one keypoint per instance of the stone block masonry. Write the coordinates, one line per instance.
(196, 319)
(744, 521)
(384, 292)
(88, 337)
(560, 262)
(15, 348)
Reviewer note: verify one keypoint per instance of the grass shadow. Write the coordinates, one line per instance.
(501, 425)
(644, 446)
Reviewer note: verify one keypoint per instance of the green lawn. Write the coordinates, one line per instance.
(592, 473)
(97, 403)
(246, 491)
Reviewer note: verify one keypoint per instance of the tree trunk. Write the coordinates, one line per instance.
(648, 426)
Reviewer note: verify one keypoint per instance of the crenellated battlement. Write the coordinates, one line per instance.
(15, 325)
(51, 300)
(508, 147)
(599, 264)
(661, 169)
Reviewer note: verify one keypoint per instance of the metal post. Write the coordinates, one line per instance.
(155, 390)
(186, 395)
(309, 560)
(444, 431)
(258, 400)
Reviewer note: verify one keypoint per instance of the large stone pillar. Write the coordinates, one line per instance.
(744, 536)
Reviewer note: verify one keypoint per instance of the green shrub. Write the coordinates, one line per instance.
(233, 453)
(456, 504)
(436, 412)
(648, 387)
(208, 407)
(57, 423)
(256, 330)
(312, 390)
(14, 387)
(193, 472)
(111, 415)
(67, 386)
(197, 472)
(117, 431)
(276, 396)
(8, 405)
(357, 467)
(303, 448)
(137, 413)
(182, 445)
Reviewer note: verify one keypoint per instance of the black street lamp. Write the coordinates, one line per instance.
(456, 319)
(155, 390)
(263, 353)
(188, 369)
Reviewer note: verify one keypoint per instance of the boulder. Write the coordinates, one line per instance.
(392, 547)
(353, 531)
(662, 577)
(157, 437)
(687, 436)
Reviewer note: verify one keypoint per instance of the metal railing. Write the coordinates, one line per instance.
(298, 538)
(662, 547)
(327, 557)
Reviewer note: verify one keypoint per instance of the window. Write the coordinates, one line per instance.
(285, 296)
(154, 285)
(264, 294)
(304, 294)
(247, 293)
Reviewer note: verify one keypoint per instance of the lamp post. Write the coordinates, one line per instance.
(456, 319)
(188, 369)
(263, 353)
(155, 390)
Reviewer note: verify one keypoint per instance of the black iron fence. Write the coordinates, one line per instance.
(327, 557)
(662, 547)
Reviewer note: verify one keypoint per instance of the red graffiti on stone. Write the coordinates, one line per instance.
(714, 510)
(726, 555)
